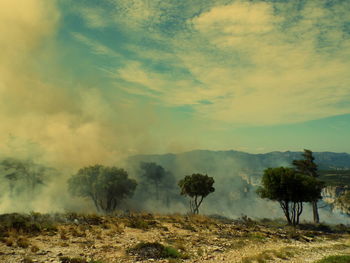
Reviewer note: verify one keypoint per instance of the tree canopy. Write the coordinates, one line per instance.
(24, 176)
(197, 186)
(105, 186)
(290, 189)
(307, 165)
(154, 176)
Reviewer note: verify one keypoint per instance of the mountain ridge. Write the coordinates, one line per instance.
(325, 160)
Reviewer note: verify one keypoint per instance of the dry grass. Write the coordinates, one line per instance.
(269, 255)
(34, 249)
(196, 237)
(23, 242)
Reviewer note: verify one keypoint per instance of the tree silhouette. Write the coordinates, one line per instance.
(290, 189)
(156, 175)
(196, 186)
(24, 176)
(105, 186)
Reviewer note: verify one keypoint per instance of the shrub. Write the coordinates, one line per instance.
(9, 241)
(137, 222)
(27, 260)
(153, 250)
(26, 224)
(170, 252)
(34, 248)
(23, 242)
(335, 259)
(140, 222)
(72, 260)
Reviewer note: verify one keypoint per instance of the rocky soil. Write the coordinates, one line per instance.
(83, 238)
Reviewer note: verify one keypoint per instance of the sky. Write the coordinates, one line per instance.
(88, 81)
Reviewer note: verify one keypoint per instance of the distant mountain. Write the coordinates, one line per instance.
(228, 162)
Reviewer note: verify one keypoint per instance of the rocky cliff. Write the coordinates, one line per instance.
(337, 197)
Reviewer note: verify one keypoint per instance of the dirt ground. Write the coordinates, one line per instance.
(188, 238)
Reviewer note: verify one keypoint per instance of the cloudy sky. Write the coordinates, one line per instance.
(88, 81)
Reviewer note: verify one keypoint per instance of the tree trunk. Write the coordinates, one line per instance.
(157, 190)
(285, 207)
(315, 211)
(299, 211)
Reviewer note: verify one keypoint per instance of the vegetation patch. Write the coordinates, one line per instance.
(89, 219)
(238, 244)
(270, 255)
(260, 258)
(148, 250)
(140, 223)
(335, 259)
(33, 223)
(77, 260)
(72, 260)
(27, 260)
(23, 242)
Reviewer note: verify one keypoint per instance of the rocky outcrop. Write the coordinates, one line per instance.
(335, 196)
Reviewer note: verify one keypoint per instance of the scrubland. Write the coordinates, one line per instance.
(143, 237)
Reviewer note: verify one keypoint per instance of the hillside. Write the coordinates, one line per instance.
(74, 238)
(205, 159)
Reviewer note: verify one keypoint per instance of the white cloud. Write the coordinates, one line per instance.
(229, 23)
(255, 62)
(280, 79)
(94, 45)
(94, 17)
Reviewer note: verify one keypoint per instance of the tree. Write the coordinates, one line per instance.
(290, 189)
(307, 166)
(157, 175)
(105, 186)
(196, 186)
(23, 176)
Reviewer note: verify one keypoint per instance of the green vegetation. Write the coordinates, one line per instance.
(290, 189)
(148, 250)
(335, 259)
(141, 222)
(105, 186)
(196, 186)
(335, 177)
(31, 224)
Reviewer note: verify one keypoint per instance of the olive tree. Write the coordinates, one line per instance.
(196, 186)
(105, 186)
(290, 189)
